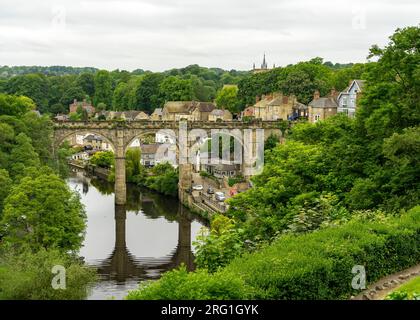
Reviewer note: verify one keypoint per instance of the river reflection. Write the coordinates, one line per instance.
(151, 234)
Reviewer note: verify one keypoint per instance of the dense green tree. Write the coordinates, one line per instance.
(34, 86)
(57, 87)
(7, 139)
(104, 159)
(42, 212)
(147, 93)
(22, 155)
(86, 81)
(103, 88)
(72, 93)
(119, 102)
(6, 184)
(174, 88)
(39, 130)
(227, 98)
(135, 172)
(391, 99)
(57, 108)
(15, 105)
(343, 77)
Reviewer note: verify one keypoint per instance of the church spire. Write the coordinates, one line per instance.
(264, 64)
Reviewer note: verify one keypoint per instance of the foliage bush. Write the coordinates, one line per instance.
(27, 276)
(179, 284)
(164, 179)
(217, 247)
(234, 180)
(313, 265)
(104, 159)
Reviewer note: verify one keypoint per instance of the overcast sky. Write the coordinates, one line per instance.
(161, 34)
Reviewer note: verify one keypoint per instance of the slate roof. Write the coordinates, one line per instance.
(92, 137)
(149, 148)
(300, 106)
(206, 106)
(178, 107)
(324, 103)
(218, 112)
(360, 83)
(186, 107)
(158, 111)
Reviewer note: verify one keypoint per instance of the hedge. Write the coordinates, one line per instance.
(316, 265)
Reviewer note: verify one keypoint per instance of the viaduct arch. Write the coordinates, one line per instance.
(120, 134)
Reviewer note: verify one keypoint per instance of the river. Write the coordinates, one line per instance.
(128, 244)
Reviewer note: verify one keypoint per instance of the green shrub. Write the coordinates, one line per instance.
(234, 180)
(28, 276)
(313, 265)
(214, 249)
(179, 284)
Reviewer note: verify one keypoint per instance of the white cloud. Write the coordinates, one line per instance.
(159, 35)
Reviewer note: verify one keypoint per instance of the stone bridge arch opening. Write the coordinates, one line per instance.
(155, 147)
(73, 138)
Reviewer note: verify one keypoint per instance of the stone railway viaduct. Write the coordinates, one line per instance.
(120, 135)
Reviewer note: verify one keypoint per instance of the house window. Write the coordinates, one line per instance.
(317, 117)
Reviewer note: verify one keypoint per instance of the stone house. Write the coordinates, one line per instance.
(220, 115)
(155, 153)
(187, 110)
(177, 110)
(202, 111)
(148, 154)
(321, 108)
(61, 117)
(84, 105)
(126, 115)
(96, 142)
(156, 115)
(247, 112)
(273, 107)
(82, 156)
(93, 141)
(222, 170)
(347, 99)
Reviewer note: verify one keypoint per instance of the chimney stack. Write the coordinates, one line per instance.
(316, 95)
(333, 93)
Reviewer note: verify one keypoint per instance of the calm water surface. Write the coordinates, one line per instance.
(128, 244)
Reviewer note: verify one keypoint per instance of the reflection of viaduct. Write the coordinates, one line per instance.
(121, 264)
(121, 134)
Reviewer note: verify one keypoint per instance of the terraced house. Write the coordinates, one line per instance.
(275, 106)
(321, 108)
(188, 110)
